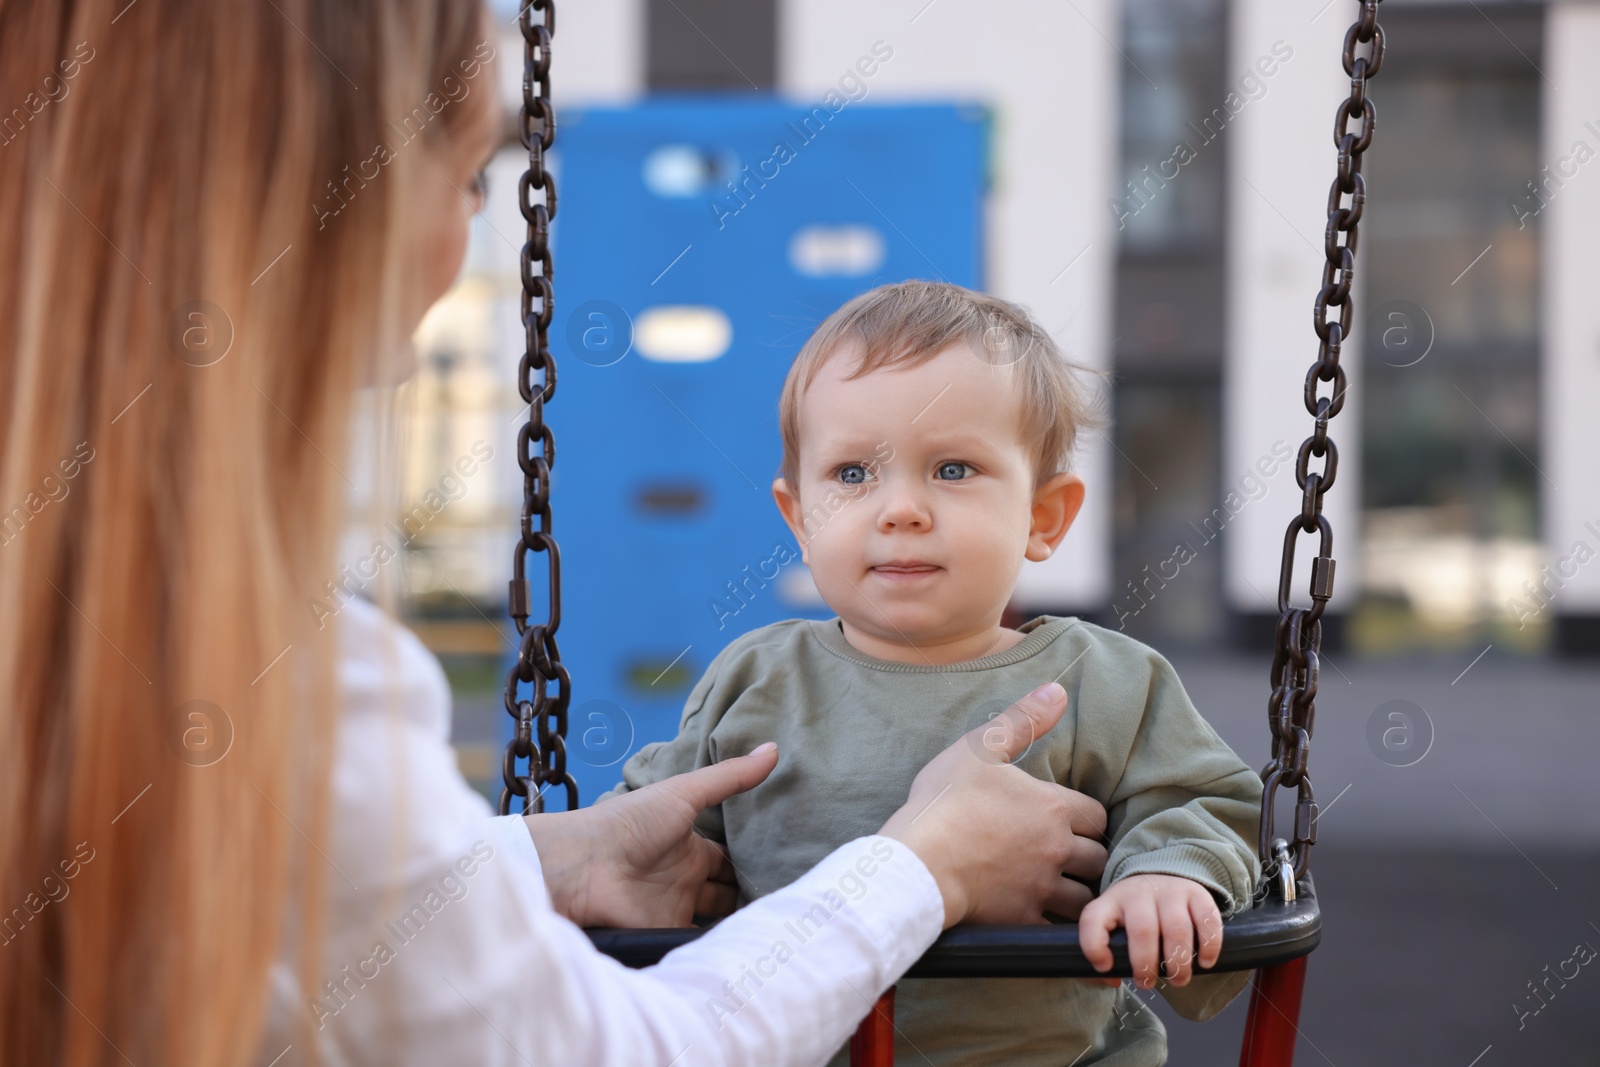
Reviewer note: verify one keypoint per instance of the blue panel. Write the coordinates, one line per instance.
(699, 441)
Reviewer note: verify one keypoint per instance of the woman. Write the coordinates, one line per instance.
(231, 831)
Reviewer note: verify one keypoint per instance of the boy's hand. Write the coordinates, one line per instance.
(1162, 915)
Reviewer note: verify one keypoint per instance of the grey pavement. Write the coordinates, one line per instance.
(1512, 761)
(1449, 885)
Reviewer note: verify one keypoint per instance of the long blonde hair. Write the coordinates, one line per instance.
(184, 327)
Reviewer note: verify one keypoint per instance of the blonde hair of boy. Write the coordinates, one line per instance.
(908, 323)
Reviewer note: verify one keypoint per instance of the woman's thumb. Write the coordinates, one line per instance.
(712, 785)
(1007, 736)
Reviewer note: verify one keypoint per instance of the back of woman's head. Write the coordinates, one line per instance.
(200, 260)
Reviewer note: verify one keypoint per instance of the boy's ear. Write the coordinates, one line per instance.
(789, 506)
(1055, 505)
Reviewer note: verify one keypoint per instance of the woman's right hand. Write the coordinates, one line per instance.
(997, 840)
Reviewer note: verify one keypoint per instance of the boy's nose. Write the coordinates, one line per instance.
(902, 508)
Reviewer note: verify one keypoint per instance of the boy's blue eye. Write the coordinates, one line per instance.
(953, 471)
(852, 474)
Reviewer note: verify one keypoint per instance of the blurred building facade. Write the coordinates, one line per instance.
(1158, 192)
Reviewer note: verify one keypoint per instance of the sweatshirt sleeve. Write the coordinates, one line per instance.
(1184, 804)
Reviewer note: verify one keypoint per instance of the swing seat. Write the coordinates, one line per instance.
(1273, 932)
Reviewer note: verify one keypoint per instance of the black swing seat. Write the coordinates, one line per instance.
(1274, 931)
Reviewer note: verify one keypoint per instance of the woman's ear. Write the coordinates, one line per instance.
(788, 502)
(1055, 505)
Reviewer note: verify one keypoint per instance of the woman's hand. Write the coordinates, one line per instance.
(997, 840)
(637, 860)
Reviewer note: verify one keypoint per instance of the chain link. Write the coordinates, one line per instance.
(540, 735)
(1291, 710)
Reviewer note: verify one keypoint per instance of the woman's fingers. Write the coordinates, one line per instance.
(1068, 899)
(702, 788)
(1008, 735)
(977, 823)
(720, 893)
(716, 899)
(1086, 859)
(1088, 816)
(721, 868)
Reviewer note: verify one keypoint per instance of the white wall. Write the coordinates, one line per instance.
(1281, 161)
(597, 57)
(1052, 74)
(1570, 366)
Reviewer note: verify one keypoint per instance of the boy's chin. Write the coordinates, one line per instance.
(903, 623)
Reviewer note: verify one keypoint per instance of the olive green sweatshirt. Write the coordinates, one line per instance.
(853, 731)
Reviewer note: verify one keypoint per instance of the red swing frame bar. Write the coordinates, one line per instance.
(1269, 1030)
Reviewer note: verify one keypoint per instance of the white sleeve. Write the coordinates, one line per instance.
(443, 948)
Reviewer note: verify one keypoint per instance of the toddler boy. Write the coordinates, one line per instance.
(926, 432)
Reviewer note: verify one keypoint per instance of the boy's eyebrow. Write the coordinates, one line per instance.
(850, 444)
(867, 444)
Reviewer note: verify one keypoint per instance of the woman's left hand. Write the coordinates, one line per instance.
(637, 860)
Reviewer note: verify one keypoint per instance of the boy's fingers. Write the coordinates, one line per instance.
(1177, 940)
(1208, 928)
(1094, 933)
(1144, 938)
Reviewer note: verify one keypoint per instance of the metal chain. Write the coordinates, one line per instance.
(1291, 710)
(541, 722)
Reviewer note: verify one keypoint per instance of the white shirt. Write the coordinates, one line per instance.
(442, 947)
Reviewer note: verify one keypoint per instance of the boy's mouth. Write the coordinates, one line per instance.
(904, 569)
